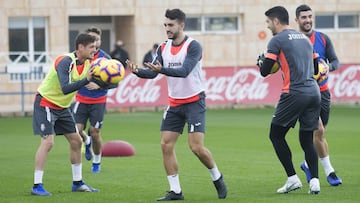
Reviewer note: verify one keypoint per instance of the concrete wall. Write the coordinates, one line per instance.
(143, 25)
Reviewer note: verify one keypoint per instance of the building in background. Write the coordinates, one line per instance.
(232, 33)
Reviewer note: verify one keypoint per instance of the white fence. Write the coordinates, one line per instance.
(26, 66)
(20, 74)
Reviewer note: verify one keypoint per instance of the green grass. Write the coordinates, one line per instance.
(238, 140)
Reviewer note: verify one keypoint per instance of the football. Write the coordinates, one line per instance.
(322, 76)
(113, 72)
(275, 67)
(117, 148)
(98, 64)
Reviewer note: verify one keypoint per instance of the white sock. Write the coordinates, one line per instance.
(293, 178)
(174, 183)
(87, 141)
(215, 173)
(327, 165)
(97, 159)
(38, 176)
(76, 171)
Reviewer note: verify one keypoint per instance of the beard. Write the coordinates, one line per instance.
(173, 36)
(306, 27)
(273, 31)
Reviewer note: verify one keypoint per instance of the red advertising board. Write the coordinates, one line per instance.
(344, 83)
(230, 85)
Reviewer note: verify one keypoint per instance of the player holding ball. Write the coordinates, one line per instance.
(328, 62)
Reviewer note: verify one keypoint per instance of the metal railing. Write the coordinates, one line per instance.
(24, 68)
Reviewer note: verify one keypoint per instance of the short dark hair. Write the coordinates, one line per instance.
(175, 14)
(280, 13)
(301, 8)
(94, 30)
(84, 39)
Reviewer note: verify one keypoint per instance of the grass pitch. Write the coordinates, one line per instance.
(237, 138)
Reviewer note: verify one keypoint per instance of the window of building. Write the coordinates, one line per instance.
(89, 19)
(79, 24)
(337, 21)
(193, 24)
(219, 24)
(325, 21)
(27, 48)
(213, 24)
(27, 36)
(348, 21)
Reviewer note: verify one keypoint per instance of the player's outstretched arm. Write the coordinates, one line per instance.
(140, 72)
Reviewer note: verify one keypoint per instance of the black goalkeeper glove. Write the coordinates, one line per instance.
(260, 59)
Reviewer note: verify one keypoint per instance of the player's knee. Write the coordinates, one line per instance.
(277, 132)
(47, 142)
(196, 149)
(94, 131)
(75, 142)
(319, 133)
(95, 134)
(272, 137)
(166, 147)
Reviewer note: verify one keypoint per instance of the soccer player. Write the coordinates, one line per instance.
(300, 97)
(323, 46)
(52, 115)
(179, 59)
(151, 54)
(90, 105)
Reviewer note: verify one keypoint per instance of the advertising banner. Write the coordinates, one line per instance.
(230, 85)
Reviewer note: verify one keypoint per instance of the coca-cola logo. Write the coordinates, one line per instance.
(130, 90)
(229, 86)
(244, 84)
(345, 83)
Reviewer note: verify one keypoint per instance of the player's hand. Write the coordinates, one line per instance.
(132, 67)
(90, 74)
(92, 86)
(260, 59)
(154, 67)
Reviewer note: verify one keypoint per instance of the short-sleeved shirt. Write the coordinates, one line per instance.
(300, 98)
(294, 51)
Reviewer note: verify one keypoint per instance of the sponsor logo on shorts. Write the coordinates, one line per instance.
(42, 127)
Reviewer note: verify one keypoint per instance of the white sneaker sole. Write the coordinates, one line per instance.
(295, 186)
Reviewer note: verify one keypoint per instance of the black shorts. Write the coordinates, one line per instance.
(293, 107)
(325, 107)
(193, 114)
(47, 121)
(92, 112)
